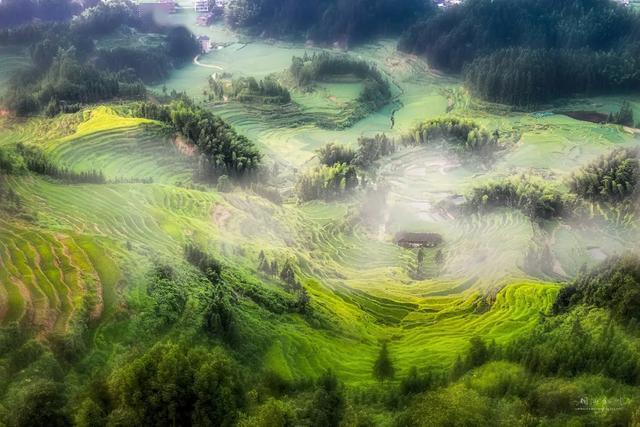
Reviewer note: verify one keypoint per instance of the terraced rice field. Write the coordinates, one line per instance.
(139, 152)
(430, 336)
(359, 281)
(418, 93)
(83, 249)
(51, 279)
(122, 148)
(11, 60)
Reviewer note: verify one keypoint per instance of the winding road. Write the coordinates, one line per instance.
(196, 61)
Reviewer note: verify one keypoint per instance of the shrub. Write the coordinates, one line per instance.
(463, 133)
(332, 153)
(531, 195)
(327, 183)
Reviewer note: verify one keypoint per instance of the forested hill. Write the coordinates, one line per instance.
(476, 28)
(68, 70)
(524, 52)
(17, 12)
(327, 21)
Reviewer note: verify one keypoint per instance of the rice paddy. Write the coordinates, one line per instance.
(11, 60)
(84, 248)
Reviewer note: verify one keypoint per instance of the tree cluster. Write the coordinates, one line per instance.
(174, 385)
(368, 152)
(342, 169)
(68, 81)
(218, 313)
(383, 366)
(10, 201)
(67, 71)
(614, 285)
(151, 64)
(527, 52)
(623, 117)
(19, 12)
(611, 177)
(328, 402)
(250, 90)
(106, 16)
(326, 21)
(533, 196)
(572, 344)
(308, 69)
(267, 91)
(288, 276)
(209, 266)
(332, 153)
(169, 297)
(372, 149)
(267, 267)
(222, 150)
(34, 160)
(463, 133)
(327, 182)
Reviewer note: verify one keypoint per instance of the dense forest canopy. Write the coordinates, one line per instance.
(460, 34)
(17, 12)
(68, 71)
(327, 21)
(526, 52)
(530, 77)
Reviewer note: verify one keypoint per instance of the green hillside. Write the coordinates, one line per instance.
(159, 264)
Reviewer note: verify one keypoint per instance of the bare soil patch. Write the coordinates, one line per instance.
(220, 215)
(587, 116)
(184, 147)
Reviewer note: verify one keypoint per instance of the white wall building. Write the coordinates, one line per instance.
(201, 6)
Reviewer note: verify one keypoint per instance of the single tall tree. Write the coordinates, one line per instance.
(288, 274)
(383, 367)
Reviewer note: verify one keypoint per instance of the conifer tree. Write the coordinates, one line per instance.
(383, 367)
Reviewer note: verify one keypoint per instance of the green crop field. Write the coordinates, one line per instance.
(76, 259)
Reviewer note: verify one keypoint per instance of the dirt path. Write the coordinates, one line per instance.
(633, 131)
(196, 61)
